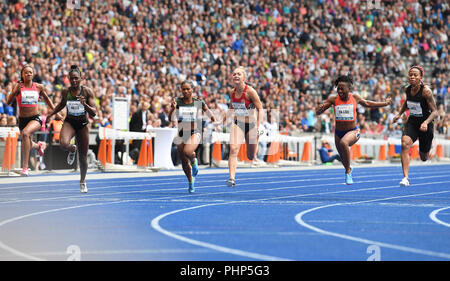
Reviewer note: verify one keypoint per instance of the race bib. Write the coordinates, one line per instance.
(414, 108)
(75, 108)
(239, 108)
(344, 112)
(188, 113)
(30, 97)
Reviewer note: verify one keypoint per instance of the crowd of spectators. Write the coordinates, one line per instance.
(292, 51)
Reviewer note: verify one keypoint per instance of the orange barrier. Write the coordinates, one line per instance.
(217, 151)
(307, 151)
(355, 151)
(439, 151)
(382, 153)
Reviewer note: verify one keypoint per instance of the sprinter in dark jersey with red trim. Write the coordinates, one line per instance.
(27, 94)
(422, 112)
(80, 102)
(247, 111)
(346, 132)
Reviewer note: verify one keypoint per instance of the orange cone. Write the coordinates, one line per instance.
(382, 153)
(14, 148)
(306, 152)
(415, 152)
(101, 155)
(391, 151)
(6, 164)
(108, 151)
(150, 152)
(273, 155)
(217, 151)
(439, 151)
(142, 161)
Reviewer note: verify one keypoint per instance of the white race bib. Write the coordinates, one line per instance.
(75, 108)
(188, 113)
(30, 97)
(344, 112)
(239, 108)
(414, 108)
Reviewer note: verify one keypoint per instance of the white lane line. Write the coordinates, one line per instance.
(90, 195)
(299, 219)
(156, 226)
(435, 219)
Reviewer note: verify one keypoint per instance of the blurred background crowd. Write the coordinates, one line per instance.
(292, 52)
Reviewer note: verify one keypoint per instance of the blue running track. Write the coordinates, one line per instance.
(294, 214)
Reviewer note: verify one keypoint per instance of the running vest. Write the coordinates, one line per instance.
(74, 106)
(417, 104)
(28, 97)
(345, 111)
(242, 104)
(187, 112)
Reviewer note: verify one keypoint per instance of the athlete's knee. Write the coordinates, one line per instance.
(406, 144)
(234, 151)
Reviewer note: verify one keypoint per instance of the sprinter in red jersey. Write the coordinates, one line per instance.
(27, 94)
(346, 132)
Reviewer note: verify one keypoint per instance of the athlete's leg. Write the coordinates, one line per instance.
(406, 146)
(66, 135)
(251, 140)
(27, 142)
(82, 139)
(189, 151)
(236, 139)
(343, 147)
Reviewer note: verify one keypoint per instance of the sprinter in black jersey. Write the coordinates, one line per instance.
(80, 102)
(422, 112)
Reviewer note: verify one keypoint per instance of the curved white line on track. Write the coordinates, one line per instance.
(435, 219)
(299, 219)
(27, 256)
(156, 226)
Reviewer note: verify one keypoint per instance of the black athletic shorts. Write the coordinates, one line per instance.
(77, 123)
(412, 130)
(245, 127)
(23, 121)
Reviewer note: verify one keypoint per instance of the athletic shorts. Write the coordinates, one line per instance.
(185, 135)
(245, 127)
(341, 134)
(77, 124)
(412, 130)
(23, 121)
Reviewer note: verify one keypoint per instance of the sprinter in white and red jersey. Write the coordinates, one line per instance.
(247, 113)
(346, 132)
(27, 94)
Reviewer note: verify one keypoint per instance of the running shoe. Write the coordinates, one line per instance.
(191, 188)
(71, 156)
(231, 182)
(348, 179)
(404, 182)
(194, 167)
(25, 172)
(41, 149)
(83, 187)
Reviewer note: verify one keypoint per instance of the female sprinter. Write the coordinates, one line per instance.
(80, 102)
(346, 132)
(188, 111)
(27, 94)
(422, 112)
(245, 122)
